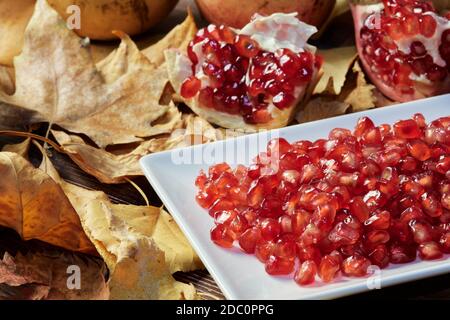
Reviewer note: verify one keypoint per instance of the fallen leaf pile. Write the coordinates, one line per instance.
(106, 114)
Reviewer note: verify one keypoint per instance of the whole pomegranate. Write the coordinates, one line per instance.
(247, 78)
(236, 13)
(404, 46)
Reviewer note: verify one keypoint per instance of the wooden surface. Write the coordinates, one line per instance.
(434, 288)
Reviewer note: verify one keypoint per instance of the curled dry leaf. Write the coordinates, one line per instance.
(35, 206)
(337, 63)
(56, 77)
(19, 148)
(14, 16)
(109, 167)
(47, 272)
(127, 238)
(357, 92)
(178, 37)
(321, 108)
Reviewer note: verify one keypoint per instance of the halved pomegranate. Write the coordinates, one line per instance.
(404, 46)
(249, 78)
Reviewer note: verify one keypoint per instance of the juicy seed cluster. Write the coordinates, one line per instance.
(376, 196)
(400, 20)
(242, 78)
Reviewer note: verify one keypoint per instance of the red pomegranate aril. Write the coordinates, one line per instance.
(246, 46)
(306, 274)
(263, 250)
(226, 34)
(356, 266)
(270, 229)
(430, 251)
(220, 235)
(278, 266)
(379, 256)
(379, 221)
(364, 124)
(283, 100)
(190, 87)
(419, 150)
(428, 26)
(422, 231)
(249, 239)
(359, 209)
(400, 253)
(407, 129)
(310, 212)
(328, 268)
(444, 241)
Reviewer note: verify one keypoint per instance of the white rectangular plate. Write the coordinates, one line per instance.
(241, 276)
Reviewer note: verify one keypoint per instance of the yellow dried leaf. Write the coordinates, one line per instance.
(109, 167)
(321, 108)
(360, 94)
(46, 269)
(36, 207)
(179, 38)
(127, 238)
(19, 148)
(56, 77)
(14, 16)
(337, 63)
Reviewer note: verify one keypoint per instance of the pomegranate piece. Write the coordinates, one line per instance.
(306, 273)
(313, 211)
(355, 266)
(393, 41)
(430, 251)
(279, 266)
(221, 236)
(329, 266)
(241, 78)
(249, 239)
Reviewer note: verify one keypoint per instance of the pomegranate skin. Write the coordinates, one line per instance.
(421, 90)
(237, 14)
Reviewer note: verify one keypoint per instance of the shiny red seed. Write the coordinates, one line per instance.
(356, 266)
(279, 266)
(419, 150)
(428, 26)
(249, 239)
(328, 268)
(430, 251)
(246, 47)
(306, 273)
(220, 235)
(190, 87)
(359, 209)
(270, 229)
(407, 129)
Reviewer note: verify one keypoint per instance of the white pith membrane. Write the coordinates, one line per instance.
(272, 33)
(431, 45)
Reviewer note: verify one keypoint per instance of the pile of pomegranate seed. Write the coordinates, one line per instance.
(401, 20)
(376, 196)
(242, 78)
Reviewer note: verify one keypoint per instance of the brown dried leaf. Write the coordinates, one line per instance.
(358, 93)
(127, 238)
(65, 86)
(13, 20)
(337, 63)
(19, 148)
(321, 108)
(47, 272)
(112, 168)
(33, 205)
(179, 38)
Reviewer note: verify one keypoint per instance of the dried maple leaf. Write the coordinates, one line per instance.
(321, 108)
(109, 167)
(178, 37)
(19, 148)
(337, 63)
(35, 206)
(127, 238)
(115, 103)
(357, 92)
(46, 271)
